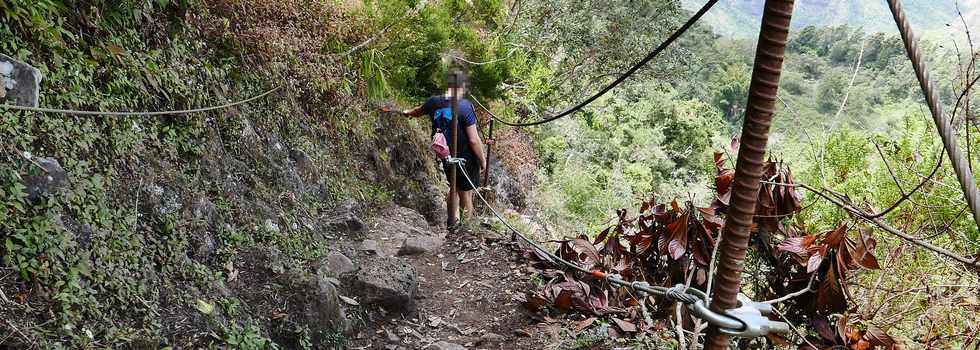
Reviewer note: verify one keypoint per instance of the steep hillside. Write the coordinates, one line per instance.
(740, 19)
(211, 229)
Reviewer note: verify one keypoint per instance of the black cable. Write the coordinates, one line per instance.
(673, 37)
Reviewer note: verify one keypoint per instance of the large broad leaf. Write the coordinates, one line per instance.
(861, 253)
(678, 237)
(830, 293)
(795, 245)
(877, 337)
(836, 236)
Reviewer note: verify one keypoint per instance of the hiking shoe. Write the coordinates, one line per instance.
(453, 225)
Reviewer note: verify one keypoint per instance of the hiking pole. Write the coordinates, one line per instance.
(486, 176)
(748, 168)
(454, 82)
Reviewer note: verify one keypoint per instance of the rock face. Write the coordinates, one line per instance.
(388, 282)
(19, 82)
(47, 180)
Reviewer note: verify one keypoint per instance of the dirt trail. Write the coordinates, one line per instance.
(467, 298)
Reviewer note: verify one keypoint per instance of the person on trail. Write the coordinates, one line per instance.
(439, 110)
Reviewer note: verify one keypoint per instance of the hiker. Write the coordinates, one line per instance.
(439, 110)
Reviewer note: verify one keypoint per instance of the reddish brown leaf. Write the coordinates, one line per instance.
(830, 295)
(795, 245)
(861, 344)
(626, 326)
(602, 235)
(582, 325)
(723, 182)
(535, 302)
(877, 337)
(564, 300)
(822, 326)
(862, 253)
(813, 263)
(836, 236)
(678, 237)
(778, 340)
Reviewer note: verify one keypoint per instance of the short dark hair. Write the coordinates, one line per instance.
(456, 78)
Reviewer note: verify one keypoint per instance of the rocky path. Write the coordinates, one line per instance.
(469, 287)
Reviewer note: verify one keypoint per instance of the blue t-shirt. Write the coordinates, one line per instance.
(439, 110)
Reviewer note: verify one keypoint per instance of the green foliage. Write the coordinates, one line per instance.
(623, 150)
(429, 36)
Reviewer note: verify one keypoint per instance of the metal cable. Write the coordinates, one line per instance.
(156, 113)
(684, 294)
(695, 300)
(943, 125)
(649, 57)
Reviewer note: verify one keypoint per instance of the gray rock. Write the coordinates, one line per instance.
(335, 265)
(315, 303)
(491, 339)
(204, 211)
(47, 180)
(303, 162)
(388, 282)
(420, 245)
(370, 246)
(342, 218)
(444, 345)
(392, 337)
(203, 246)
(19, 82)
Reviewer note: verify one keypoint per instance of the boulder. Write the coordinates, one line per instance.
(342, 218)
(389, 282)
(20, 84)
(47, 178)
(313, 301)
(420, 245)
(371, 246)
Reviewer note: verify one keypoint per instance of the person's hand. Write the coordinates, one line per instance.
(483, 167)
(489, 142)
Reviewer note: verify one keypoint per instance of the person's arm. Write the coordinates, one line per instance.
(476, 145)
(414, 112)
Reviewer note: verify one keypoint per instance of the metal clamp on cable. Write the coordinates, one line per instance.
(748, 320)
(454, 161)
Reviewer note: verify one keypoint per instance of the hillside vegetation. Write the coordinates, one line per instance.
(740, 19)
(140, 245)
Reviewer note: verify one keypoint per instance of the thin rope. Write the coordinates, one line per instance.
(649, 57)
(130, 114)
(943, 125)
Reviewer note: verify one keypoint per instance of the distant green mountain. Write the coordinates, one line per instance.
(740, 18)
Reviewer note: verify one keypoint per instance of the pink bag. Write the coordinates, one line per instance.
(439, 145)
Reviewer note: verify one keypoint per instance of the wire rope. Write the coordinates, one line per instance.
(130, 114)
(649, 57)
(943, 125)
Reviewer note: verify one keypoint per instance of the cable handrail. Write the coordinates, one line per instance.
(131, 114)
(736, 321)
(643, 62)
